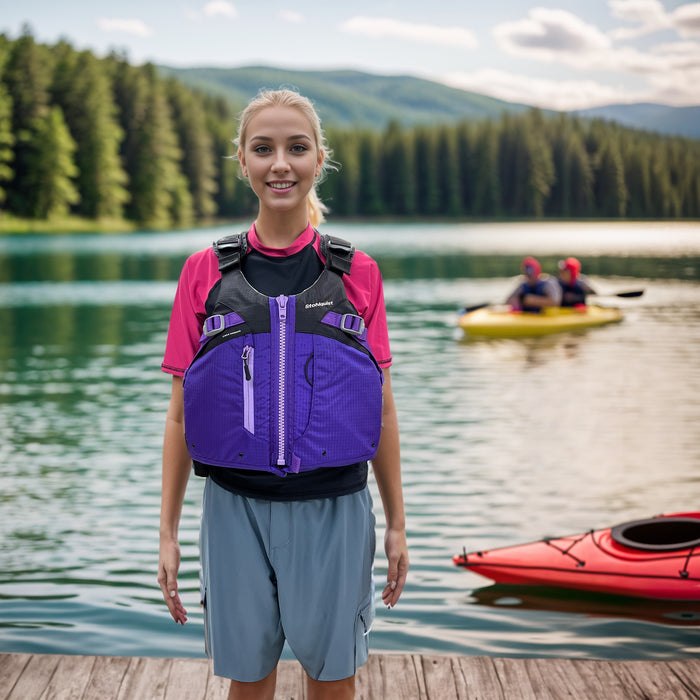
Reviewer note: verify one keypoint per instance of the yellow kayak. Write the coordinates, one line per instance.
(501, 322)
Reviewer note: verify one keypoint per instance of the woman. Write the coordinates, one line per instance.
(287, 540)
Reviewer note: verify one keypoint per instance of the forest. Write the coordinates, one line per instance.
(105, 140)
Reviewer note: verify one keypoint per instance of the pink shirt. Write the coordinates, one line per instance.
(201, 271)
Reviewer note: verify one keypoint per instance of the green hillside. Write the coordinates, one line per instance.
(351, 98)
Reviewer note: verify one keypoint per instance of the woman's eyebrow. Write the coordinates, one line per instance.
(295, 137)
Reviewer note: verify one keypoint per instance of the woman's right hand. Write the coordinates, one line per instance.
(168, 565)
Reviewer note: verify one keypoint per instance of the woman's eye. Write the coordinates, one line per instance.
(299, 148)
(262, 149)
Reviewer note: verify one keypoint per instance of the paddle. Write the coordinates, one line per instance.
(469, 309)
(629, 295)
(624, 295)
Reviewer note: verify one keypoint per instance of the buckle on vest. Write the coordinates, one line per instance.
(339, 244)
(213, 325)
(352, 324)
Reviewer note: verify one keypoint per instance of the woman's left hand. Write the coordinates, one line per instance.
(397, 555)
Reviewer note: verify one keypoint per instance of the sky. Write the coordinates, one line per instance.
(557, 54)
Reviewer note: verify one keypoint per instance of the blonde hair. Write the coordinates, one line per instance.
(290, 98)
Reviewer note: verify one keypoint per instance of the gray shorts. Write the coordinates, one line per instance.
(300, 571)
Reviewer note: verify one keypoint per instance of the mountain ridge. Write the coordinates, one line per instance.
(352, 98)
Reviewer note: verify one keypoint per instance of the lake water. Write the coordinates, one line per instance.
(502, 441)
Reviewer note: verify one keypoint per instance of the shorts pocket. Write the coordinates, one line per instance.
(363, 626)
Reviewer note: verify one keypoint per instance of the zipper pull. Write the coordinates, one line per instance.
(282, 305)
(246, 369)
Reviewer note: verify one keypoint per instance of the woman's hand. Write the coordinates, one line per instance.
(168, 565)
(397, 556)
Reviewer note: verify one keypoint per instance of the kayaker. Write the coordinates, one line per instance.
(536, 291)
(575, 287)
(287, 541)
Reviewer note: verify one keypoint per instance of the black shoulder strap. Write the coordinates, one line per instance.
(338, 253)
(231, 250)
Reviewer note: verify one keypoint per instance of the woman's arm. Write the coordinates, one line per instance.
(387, 471)
(176, 472)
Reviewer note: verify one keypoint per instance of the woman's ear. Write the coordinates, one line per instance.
(241, 160)
(319, 163)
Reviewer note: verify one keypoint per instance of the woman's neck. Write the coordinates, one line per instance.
(279, 231)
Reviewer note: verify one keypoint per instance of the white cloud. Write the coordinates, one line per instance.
(136, 27)
(650, 15)
(551, 35)
(379, 27)
(291, 16)
(548, 94)
(686, 19)
(220, 8)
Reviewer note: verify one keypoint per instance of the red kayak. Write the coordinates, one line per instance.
(654, 558)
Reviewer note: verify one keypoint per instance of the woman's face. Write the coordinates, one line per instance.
(280, 158)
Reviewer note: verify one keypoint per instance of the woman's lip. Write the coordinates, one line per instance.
(280, 185)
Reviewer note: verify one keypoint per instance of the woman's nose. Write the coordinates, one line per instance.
(280, 162)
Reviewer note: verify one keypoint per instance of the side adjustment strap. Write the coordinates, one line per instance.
(231, 250)
(338, 253)
(352, 324)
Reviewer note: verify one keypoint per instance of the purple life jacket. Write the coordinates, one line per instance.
(283, 384)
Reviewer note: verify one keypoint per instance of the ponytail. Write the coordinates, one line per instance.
(316, 208)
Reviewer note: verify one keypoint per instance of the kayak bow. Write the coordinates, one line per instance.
(654, 558)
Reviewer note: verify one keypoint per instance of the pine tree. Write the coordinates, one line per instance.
(448, 172)
(398, 182)
(51, 168)
(487, 171)
(195, 143)
(369, 194)
(427, 175)
(7, 138)
(610, 188)
(27, 76)
(541, 174)
(82, 87)
(149, 150)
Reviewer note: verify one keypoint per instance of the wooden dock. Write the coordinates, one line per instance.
(384, 677)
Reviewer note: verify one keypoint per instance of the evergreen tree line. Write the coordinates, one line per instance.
(103, 139)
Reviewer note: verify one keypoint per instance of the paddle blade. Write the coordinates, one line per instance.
(629, 295)
(469, 309)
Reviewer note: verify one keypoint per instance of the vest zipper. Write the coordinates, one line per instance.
(281, 387)
(248, 394)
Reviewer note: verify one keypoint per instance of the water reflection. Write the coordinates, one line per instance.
(502, 441)
(677, 613)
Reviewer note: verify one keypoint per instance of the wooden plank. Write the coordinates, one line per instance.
(369, 680)
(145, 678)
(560, 678)
(291, 681)
(516, 681)
(188, 680)
(653, 679)
(11, 667)
(602, 680)
(107, 676)
(439, 678)
(35, 677)
(70, 678)
(414, 677)
(390, 676)
(688, 673)
(478, 679)
(217, 687)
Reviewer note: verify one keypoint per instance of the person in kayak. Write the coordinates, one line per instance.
(575, 287)
(287, 540)
(536, 291)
